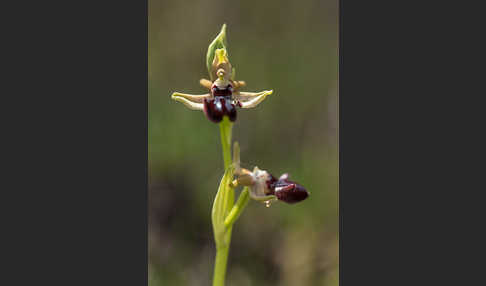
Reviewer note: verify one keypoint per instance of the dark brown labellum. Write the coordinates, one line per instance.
(288, 191)
(230, 109)
(213, 110)
(221, 104)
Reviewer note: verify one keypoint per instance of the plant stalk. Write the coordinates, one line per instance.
(232, 211)
(222, 248)
(220, 265)
(225, 130)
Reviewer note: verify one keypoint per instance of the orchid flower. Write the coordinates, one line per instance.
(264, 186)
(224, 92)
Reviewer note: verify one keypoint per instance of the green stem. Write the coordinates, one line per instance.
(224, 220)
(225, 128)
(237, 208)
(223, 245)
(220, 266)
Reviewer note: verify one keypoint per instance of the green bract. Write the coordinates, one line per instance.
(223, 202)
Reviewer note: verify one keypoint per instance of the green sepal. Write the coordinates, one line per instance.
(218, 43)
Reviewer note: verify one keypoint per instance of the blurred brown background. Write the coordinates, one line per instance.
(292, 48)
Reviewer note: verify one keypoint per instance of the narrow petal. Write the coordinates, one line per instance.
(246, 96)
(190, 97)
(188, 103)
(251, 99)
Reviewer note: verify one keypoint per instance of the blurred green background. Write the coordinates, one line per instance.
(292, 48)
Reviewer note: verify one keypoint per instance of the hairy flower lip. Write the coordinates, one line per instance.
(216, 108)
(290, 192)
(286, 190)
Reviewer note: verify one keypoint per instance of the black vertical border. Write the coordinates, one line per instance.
(340, 83)
(405, 210)
(78, 211)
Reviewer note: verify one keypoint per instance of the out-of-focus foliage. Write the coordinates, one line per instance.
(292, 48)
